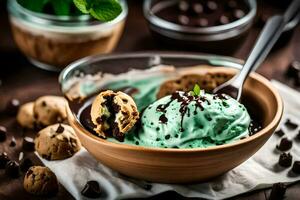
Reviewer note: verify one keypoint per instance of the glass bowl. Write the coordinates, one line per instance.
(52, 42)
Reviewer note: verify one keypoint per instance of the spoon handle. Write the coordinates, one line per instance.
(268, 37)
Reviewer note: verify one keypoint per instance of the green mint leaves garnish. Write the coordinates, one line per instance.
(196, 90)
(103, 10)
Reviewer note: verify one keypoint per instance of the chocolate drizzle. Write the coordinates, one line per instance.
(184, 99)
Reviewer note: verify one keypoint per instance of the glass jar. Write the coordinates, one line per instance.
(52, 42)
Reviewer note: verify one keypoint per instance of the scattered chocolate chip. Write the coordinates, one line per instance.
(279, 133)
(3, 160)
(183, 6)
(12, 169)
(183, 20)
(91, 190)
(285, 160)
(224, 20)
(60, 129)
(13, 142)
(3, 133)
(12, 107)
(291, 124)
(28, 144)
(25, 164)
(296, 167)
(238, 13)
(278, 191)
(285, 144)
(202, 22)
(197, 8)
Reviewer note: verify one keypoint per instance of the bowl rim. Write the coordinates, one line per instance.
(76, 125)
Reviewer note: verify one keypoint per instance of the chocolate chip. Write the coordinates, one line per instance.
(224, 20)
(44, 104)
(3, 160)
(285, 144)
(279, 133)
(25, 164)
(296, 167)
(183, 20)
(12, 169)
(202, 22)
(13, 142)
(291, 124)
(183, 6)
(12, 107)
(197, 8)
(91, 190)
(278, 191)
(238, 13)
(28, 144)
(60, 129)
(3, 133)
(211, 6)
(167, 137)
(285, 160)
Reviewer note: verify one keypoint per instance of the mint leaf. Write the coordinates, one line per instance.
(196, 90)
(103, 10)
(61, 7)
(82, 6)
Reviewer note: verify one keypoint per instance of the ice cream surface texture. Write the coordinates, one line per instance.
(183, 120)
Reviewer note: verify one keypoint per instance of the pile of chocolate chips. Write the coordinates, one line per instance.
(206, 13)
(12, 167)
(285, 144)
(293, 72)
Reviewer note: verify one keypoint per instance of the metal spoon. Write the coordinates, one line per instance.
(269, 35)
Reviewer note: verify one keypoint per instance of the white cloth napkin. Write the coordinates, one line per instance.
(260, 171)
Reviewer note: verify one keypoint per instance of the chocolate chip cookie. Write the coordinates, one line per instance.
(50, 110)
(207, 81)
(113, 114)
(25, 116)
(40, 181)
(57, 142)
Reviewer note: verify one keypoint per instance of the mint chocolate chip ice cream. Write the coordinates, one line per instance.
(183, 120)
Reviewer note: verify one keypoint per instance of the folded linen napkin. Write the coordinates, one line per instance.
(260, 171)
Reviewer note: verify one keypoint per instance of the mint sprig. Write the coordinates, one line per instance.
(103, 10)
(196, 90)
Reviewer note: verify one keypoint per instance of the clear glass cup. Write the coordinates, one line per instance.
(52, 42)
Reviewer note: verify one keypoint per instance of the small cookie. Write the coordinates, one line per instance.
(25, 116)
(57, 142)
(186, 83)
(113, 114)
(50, 110)
(40, 180)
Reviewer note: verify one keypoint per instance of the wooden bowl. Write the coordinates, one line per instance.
(189, 165)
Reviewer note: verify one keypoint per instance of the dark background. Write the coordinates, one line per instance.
(19, 79)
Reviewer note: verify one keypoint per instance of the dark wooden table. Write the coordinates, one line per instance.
(23, 81)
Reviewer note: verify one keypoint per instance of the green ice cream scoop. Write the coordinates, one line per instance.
(183, 120)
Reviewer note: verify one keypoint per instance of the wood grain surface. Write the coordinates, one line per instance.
(19, 79)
